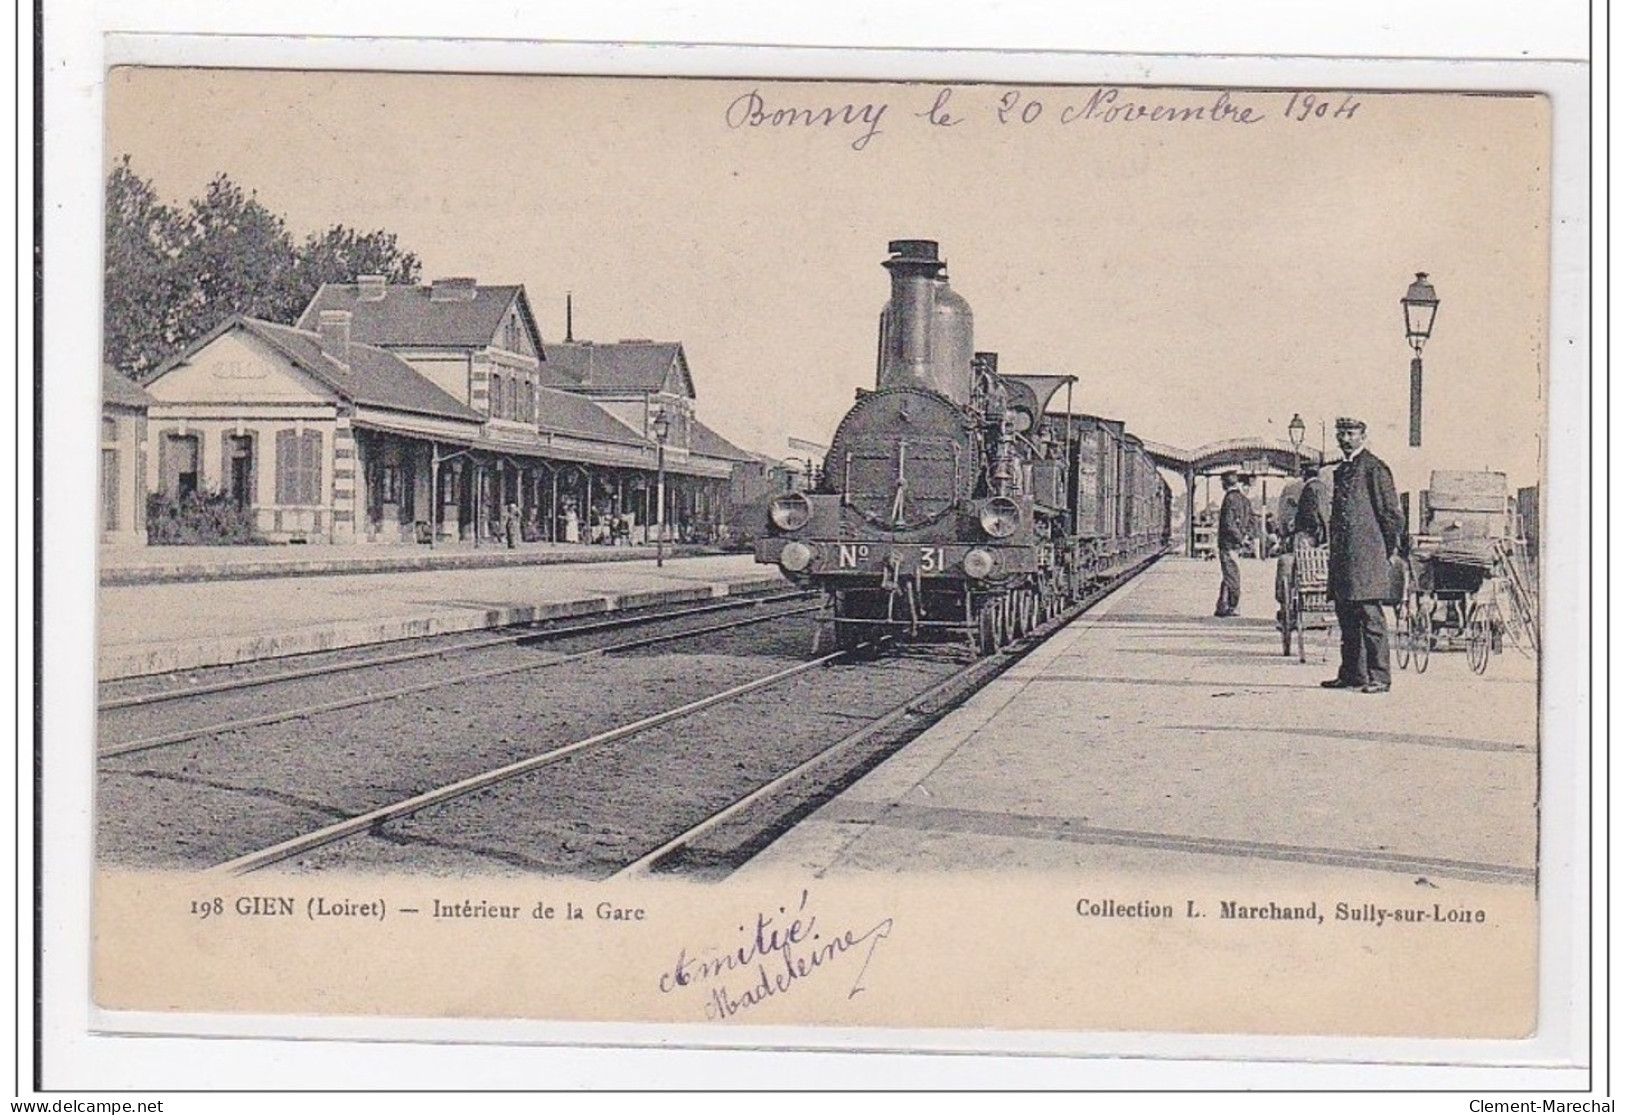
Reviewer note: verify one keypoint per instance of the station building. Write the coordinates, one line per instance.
(398, 412)
(124, 460)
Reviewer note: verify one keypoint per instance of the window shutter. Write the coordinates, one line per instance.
(287, 467)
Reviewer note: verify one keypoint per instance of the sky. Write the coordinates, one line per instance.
(1206, 267)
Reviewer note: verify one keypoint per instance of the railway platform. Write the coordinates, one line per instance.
(1149, 739)
(137, 565)
(153, 627)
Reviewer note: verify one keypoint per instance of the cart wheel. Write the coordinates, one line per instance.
(1421, 635)
(1402, 633)
(1478, 639)
(1303, 639)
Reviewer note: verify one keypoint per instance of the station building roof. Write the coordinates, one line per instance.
(120, 390)
(371, 376)
(622, 366)
(704, 440)
(565, 413)
(447, 313)
(1239, 453)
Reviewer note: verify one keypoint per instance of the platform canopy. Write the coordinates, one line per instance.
(1248, 454)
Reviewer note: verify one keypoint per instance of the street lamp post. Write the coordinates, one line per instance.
(662, 426)
(1420, 304)
(1294, 430)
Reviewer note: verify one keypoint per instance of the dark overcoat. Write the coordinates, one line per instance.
(1368, 527)
(1312, 518)
(1235, 516)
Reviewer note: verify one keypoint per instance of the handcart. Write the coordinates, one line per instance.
(1307, 604)
(1470, 586)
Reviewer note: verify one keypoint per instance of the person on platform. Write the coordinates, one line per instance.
(1311, 518)
(1305, 510)
(1235, 515)
(1368, 546)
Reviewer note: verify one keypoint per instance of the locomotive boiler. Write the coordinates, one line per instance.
(950, 505)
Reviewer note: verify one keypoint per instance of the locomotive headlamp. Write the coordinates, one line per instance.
(790, 512)
(1000, 517)
(978, 564)
(795, 557)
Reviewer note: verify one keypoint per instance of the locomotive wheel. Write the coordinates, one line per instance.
(1478, 639)
(1421, 636)
(823, 638)
(987, 630)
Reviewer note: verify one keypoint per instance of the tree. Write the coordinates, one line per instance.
(236, 258)
(140, 290)
(172, 275)
(340, 254)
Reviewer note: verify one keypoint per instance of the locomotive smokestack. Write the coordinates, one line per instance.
(913, 266)
(925, 329)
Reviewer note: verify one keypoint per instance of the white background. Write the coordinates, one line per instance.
(75, 54)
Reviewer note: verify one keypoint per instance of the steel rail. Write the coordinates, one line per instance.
(152, 742)
(143, 699)
(299, 845)
(648, 862)
(996, 662)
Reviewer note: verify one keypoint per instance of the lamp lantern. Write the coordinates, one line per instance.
(1421, 305)
(662, 427)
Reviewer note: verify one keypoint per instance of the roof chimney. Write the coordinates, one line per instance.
(369, 288)
(335, 334)
(452, 290)
(569, 318)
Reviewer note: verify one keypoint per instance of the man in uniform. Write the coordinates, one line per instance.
(1367, 552)
(1235, 514)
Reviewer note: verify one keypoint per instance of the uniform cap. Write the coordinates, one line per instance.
(1350, 424)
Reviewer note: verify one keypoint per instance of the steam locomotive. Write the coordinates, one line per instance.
(951, 504)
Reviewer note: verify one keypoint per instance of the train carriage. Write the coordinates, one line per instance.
(951, 503)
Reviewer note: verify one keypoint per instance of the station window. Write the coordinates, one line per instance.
(180, 465)
(298, 468)
(110, 491)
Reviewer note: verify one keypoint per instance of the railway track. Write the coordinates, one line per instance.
(640, 798)
(764, 609)
(352, 659)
